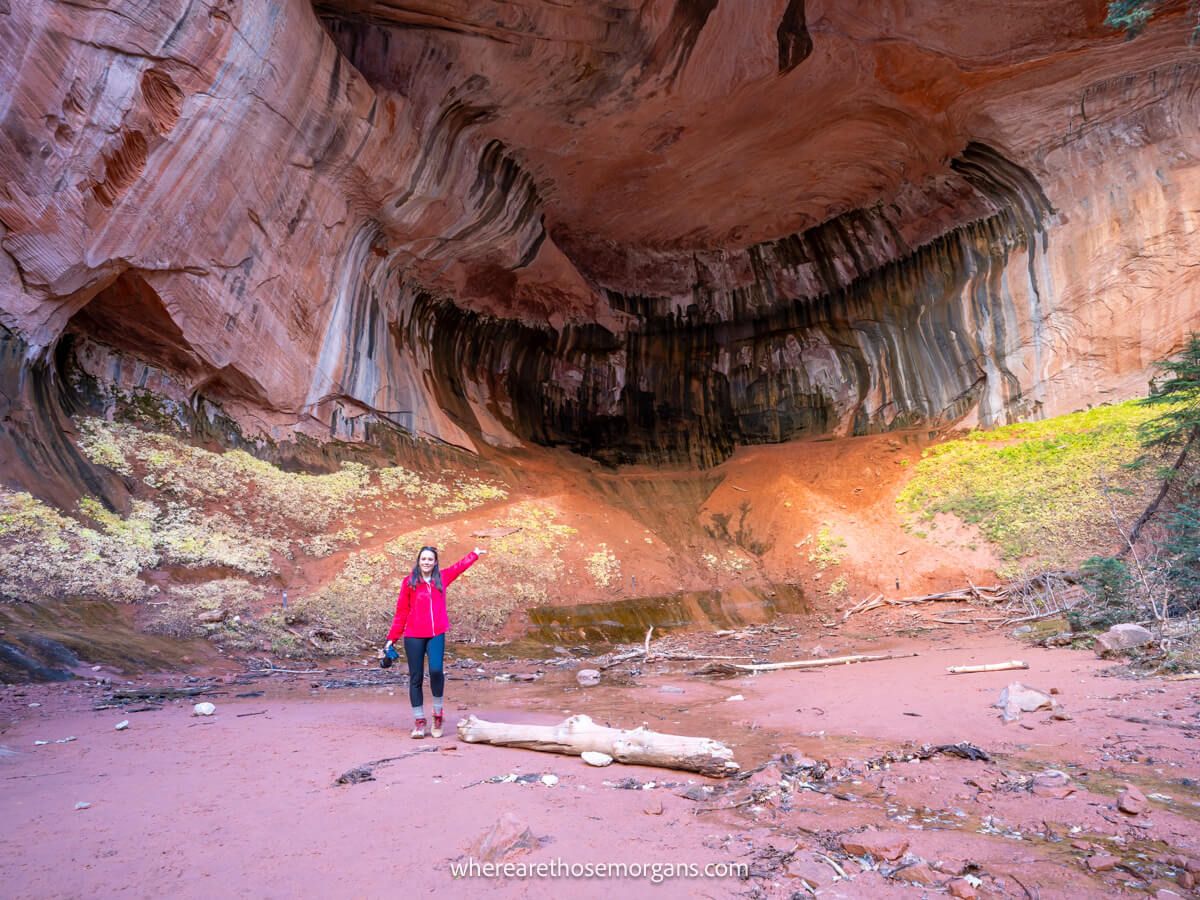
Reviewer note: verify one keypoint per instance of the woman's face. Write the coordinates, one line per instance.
(427, 560)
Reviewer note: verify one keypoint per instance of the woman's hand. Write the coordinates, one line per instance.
(386, 647)
(479, 551)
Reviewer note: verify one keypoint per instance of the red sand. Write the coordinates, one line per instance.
(245, 805)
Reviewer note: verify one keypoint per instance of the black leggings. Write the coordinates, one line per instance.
(415, 649)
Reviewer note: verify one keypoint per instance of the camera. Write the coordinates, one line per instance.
(389, 656)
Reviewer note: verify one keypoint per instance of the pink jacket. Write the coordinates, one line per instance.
(421, 610)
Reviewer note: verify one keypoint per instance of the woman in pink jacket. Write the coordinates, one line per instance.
(421, 618)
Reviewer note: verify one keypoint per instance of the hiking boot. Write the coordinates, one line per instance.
(419, 729)
(437, 725)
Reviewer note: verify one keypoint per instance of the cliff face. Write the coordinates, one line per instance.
(647, 231)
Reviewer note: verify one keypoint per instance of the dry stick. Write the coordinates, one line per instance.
(870, 602)
(990, 667)
(1129, 543)
(646, 646)
(1190, 676)
(260, 713)
(1136, 528)
(732, 669)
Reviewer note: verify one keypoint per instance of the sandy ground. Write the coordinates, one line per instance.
(245, 803)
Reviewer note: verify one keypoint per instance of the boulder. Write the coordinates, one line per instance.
(1120, 638)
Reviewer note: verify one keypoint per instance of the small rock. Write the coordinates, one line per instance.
(82, 805)
(34, 705)
(918, 873)
(95, 668)
(670, 689)
(962, 889)
(1132, 801)
(121, 726)
(1120, 638)
(1193, 866)
(588, 677)
(211, 617)
(1017, 698)
(203, 709)
(596, 758)
(1060, 715)
(1186, 880)
(734, 698)
(1164, 894)
(549, 780)
(507, 838)
(887, 845)
(1052, 783)
(1102, 862)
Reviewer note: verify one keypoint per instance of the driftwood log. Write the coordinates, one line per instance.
(577, 734)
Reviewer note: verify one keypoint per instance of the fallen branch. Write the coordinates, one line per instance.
(733, 669)
(366, 772)
(1190, 676)
(990, 667)
(871, 602)
(579, 734)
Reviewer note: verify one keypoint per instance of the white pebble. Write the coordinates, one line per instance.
(82, 805)
(121, 726)
(203, 709)
(550, 780)
(596, 758)
(734, 697)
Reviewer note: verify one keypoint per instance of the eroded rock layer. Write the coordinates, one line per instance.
(646, 231)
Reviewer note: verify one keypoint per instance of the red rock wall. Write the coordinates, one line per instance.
(648, 231)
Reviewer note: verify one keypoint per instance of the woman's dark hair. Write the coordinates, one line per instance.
(415, 579)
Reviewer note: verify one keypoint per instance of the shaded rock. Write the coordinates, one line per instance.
(1120, 638)
(1186, 880)
(962, 889)
(889, 845)
(1102, 862)
(1132, 801)
(588, 677)
(506, 839)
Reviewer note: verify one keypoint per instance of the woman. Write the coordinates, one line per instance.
(421, 617)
